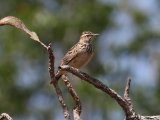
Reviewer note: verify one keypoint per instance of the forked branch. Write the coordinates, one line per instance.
(77, 107)
(124, 102)
(55, 84)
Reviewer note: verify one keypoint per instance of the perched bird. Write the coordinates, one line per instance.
(80, 54)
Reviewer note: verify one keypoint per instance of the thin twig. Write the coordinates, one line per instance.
(55, 84)
(150, 117)
(61, 100)
(77, 107)
(51, 61)
(127, 88)
(128, 99)
(43, 44)
(5, 116)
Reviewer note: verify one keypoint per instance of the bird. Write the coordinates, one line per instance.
(80, 54)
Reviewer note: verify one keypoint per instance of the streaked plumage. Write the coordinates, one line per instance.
(80, 54)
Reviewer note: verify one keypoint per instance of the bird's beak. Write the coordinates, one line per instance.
(96, 34)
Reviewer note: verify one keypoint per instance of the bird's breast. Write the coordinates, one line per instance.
(82, 59)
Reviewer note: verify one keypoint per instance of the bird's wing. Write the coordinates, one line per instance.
(71, 54)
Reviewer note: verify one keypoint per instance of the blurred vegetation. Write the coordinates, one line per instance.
(129, 42)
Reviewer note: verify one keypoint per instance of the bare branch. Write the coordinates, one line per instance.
(98, 85)
(5, 116)
(61, 100)
(126, 95)
(55, 84)
(77, 107)
(150, 117)
(51, 62)
(128, 109)
(126, 91)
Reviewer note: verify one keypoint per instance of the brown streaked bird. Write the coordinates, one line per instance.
(80, 54)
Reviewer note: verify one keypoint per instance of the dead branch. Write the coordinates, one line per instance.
(125, 103)
(77, 108)
(127, 98)
(97, 84)
(55, 84)
(5, 116)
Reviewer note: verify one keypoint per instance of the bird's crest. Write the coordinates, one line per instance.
(87, 33)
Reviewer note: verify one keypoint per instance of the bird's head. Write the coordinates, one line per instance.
(87, 36)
